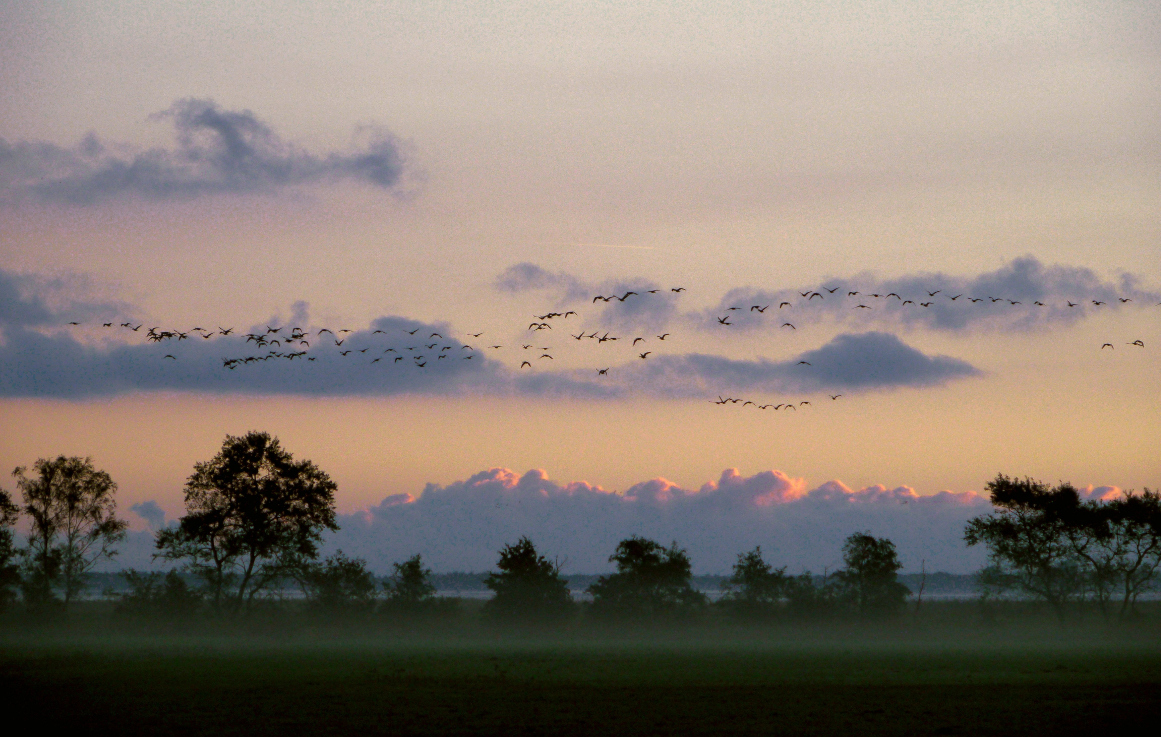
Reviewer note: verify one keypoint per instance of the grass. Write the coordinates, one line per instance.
(947, 678)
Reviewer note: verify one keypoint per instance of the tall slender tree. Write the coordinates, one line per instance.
(73, 513)
(9, 570)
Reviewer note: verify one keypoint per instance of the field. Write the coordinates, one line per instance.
(938, 679)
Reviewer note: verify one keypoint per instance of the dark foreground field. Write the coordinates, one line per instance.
(796, 682)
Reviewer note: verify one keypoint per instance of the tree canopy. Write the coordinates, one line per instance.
(253, 515)
(869, 579)
(73, 513)
(528, 586)
(651, 580)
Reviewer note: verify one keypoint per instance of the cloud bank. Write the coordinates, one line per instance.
(40, 356)
(1001, 300)
(216, 151)
(461, 526)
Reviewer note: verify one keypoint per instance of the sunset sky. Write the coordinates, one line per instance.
(460, 168)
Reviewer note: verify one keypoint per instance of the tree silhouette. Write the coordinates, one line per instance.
(338, 585)
(9, 570)
(755, 588)
(73, 512)
(869, 579)
(253, 515)
(1120, 541)
(1028, 540)
(651, 581)
(528, 587)
(410, 586)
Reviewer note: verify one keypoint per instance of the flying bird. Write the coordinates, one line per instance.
(637, 340)
(646, 353)
(663, 336)
(724, 320)
(788, 325)
(1106, 345)
(834, 396)
(677, 289)
(526, 363)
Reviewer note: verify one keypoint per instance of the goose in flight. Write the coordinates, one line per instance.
(1038, 303)
(973, 300)
(955, 297)
(1071, 304)
(805, 294)
(932, 294)
(852, 294)
(813, 295)
(545, 355)
(831, 291)
(106, 324)
(893, 294)
(602, 372)
(167, 355)
(627, 295)
(411, 332)
(758, 309)
(805, 363)
(784, 304)
(834, 396)
(1139, 343)
(475, 335)
(1106, 345)
(1097, 303)
(677, 290)
(653, 291)
(663, 336)
(724, 320)
(788, 325)
(1125, 299)
(646, 353)
(525, 363)
(328, 330)
(637, 340)
(397, 358)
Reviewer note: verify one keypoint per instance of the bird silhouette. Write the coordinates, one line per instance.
(663, 336)
(834, 396)
(783, 304)
(167, 355)
(1106, 345)
(646, 353)
(805, 363)
(602, 372)
(637, 340)
(724, 320)
(525, 363)
(677, 290)
(1139, 343)
(788, 325)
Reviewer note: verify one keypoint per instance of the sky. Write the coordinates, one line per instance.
(463, 169)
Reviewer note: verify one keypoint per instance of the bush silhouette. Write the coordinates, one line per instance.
(527, 588)
(651, 581)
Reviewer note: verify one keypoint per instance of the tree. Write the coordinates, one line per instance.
(410, 585)
(1120, 540)
(253, 515)
(338, 584)
(1028, 540)
(9, 570)
(73, 512)
(528, 587)
(651, 581)
(869, 580)
(755, 588)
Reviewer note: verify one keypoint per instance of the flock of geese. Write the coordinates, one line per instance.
(294, 343)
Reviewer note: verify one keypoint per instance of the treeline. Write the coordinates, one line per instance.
(255, 516)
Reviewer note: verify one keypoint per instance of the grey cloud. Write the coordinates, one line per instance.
(151, 512)
(848, 362)
(461, 526)
(217, 151)
(641, 311)
(1025, 280)
(32, 300)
